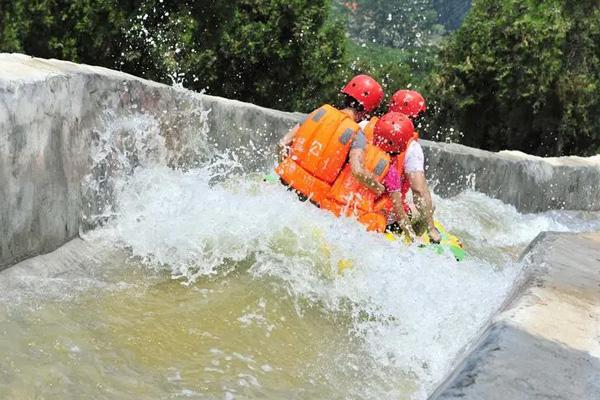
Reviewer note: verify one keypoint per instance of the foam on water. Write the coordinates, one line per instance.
(413, 310)
(421, 309)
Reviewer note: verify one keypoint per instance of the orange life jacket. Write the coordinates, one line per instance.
(319, 152)
(349, 197)
(370, 129)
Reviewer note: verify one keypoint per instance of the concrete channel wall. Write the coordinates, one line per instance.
(52, 113)
(546, 343)
(531, 184)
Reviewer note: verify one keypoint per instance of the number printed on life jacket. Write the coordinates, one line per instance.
(316, 148)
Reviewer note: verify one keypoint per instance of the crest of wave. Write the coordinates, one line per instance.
(414, 310)
(131, 141)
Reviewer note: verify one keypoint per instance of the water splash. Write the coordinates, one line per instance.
(412, 311)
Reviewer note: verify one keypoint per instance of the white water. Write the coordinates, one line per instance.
(256, 307)
(424, 308)
(412, 310)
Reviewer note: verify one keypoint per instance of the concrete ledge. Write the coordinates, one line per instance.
(546, 343)
(531, 184)
(75, 267)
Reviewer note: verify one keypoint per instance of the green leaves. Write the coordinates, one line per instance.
(79, 31)
(276, 53)
(273, 49)
(522, 75)
(399, 24)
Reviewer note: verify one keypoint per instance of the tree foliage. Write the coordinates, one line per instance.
(82, 31)
(451, 12)
(285, 54)
(277, 53)
(399, 24)
(393, 41)
(524, 75)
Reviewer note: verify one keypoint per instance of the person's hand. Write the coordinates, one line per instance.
(434, 235)
(409, 234)
(284, 151)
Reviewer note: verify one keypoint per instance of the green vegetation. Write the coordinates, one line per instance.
(275, 53)
(285, 54)
(518, 74)
(524, 75)
(396, 47)
(451, 12)
(83, 31)
(405, 24)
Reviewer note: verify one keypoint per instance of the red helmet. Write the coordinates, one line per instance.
(407, 102)
(365, 90)
(393, 132)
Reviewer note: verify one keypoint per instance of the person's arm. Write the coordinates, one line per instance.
(363, 175)
(286, 141)
(400, 216)
(423, 202)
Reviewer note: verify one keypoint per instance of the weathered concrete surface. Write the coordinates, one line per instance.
(530, 183)
(73, 268)
(546, 343)
(53, 112)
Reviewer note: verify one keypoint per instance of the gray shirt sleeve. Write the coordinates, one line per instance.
(360, 141)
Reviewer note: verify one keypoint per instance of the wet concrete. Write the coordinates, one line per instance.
(546, 343)
(531, 184)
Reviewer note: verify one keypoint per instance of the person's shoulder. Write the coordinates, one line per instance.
(415, 159)
(414, 147)
(415, 144)
(317, 113)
